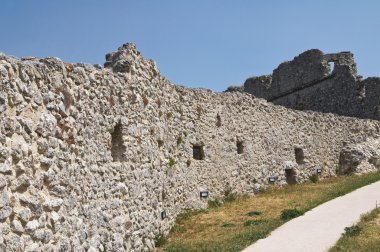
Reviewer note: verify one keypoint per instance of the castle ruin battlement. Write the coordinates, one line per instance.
(321, 82)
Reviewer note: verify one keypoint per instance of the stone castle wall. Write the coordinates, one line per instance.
(91, 157)
(308, 83)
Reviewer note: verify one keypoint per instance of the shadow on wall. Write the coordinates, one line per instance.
(118, 148)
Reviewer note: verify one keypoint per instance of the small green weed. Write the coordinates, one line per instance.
(214, 203)
(160, 240)
(314, 178)
(288, 214)
(230, 197)
(163, 194)
(172, 162)
(227, 225)
(253, 222)
(353, 230)
(254, 213)
(179, 140)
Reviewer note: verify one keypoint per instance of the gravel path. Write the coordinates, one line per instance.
(319, 229)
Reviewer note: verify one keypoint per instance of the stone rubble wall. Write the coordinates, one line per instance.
(360, 157)
(90, 157)
(308, 83)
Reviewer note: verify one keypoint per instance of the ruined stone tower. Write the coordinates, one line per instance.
(321, 82)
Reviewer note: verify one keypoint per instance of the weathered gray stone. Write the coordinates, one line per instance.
(3, 182)
(5, 212)
(21, 183)
(4, 199)
(360, 157)
(52, 203)
(24, 213)
(3, 103)
(92, 156)
(6, 167)
(47, 124)
(16, 99)
(34, 247)
(44, 235)
(4, 229)
(4, 154)
(14, 242)
(17, 226)
(31, 226)
(32, 202)
(308, 83)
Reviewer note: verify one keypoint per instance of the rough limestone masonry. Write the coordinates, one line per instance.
(96, 158)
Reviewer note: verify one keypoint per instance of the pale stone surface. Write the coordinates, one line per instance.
(5, 212)
(4, 199)
(90, 157)
(17, 226)
(360, 157)
(31, 226)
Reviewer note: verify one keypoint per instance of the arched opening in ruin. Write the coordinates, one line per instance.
(299, 155)
(198, 152)
(291, 176)
(117, 149)
(331, 66)
(240, 147)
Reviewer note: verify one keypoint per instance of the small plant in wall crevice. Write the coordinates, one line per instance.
(314, 178)
(179, 140)
(163, 194)
(160, 240)
(172, 162)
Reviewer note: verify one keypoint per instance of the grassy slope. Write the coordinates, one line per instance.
(366, 240)
(230, 228)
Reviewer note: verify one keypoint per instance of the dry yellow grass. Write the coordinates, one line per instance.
(225, 228)
(367, 240)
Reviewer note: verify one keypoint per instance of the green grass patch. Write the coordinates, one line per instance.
(352, 231)
(253, 222)
(253, 213)
(214, 203)
(227, 225)
(160, 240)
(288, 214)
(314, 178)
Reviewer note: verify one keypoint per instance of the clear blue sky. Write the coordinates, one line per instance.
(197, 43)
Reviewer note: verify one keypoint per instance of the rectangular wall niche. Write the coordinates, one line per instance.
(291, 176)
(300, 156)
(240, 147)
(117, 149)
(198, 152)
